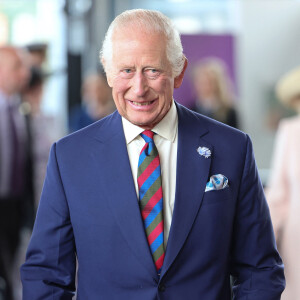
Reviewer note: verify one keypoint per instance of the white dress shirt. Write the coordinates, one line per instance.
(166, 140)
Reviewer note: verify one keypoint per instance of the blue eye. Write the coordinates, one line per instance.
(127, 73)
(152, 72)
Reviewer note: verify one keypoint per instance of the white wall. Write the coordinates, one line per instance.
(268, 44)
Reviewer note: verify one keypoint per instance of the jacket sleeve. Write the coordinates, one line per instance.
(49, 270)
(256, 266)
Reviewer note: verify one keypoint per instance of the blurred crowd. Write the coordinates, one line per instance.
(26, 135)
(25, 140)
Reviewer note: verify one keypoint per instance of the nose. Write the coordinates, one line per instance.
(139, 84)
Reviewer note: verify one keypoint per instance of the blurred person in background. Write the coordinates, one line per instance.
(283, 189)
(214, 91)
(97, 102)
(36, 54)
(42, 132)
(44, 128)
(16, 192)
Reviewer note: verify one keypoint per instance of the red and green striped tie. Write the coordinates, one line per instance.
(151, 198)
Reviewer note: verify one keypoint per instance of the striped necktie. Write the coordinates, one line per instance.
(151, 198)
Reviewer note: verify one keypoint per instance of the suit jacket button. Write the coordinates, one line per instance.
(161, 288)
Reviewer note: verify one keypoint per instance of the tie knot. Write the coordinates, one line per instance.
(147, 135)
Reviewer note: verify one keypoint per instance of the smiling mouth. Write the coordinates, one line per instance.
(142, 103)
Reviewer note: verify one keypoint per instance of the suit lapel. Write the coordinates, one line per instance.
(192, 176)
(123, 200)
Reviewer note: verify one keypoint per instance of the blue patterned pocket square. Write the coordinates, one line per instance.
(217, 182)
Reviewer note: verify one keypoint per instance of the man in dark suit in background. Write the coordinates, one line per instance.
(155, 201)
(15, 189)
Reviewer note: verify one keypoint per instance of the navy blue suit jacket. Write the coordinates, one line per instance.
(89, 212)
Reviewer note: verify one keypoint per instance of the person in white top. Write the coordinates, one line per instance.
(283, 189)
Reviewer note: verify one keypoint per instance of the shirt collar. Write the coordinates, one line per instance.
(166, 128)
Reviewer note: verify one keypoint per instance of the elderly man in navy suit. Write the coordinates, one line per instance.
(154, 201)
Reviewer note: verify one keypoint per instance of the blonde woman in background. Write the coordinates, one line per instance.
(283, 192)
(214, 91)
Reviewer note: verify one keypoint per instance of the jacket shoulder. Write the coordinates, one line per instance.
(217, 129)
(99, 130)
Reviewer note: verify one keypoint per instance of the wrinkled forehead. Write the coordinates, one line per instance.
(138, 25)
(136, 31)
(131, 38)
(139, 51)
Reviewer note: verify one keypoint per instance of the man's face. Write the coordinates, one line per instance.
(14, 72)
(141, 77)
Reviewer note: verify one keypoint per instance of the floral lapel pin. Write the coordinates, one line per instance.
(204, 151)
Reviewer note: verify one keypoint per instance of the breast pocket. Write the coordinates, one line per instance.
(217, 197)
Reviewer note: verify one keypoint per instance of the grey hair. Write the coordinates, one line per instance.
(151, 21)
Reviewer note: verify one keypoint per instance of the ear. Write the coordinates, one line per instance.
(109, 80)
(178, 80)
(108, 73)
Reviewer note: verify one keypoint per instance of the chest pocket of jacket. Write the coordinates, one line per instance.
(217, 197)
